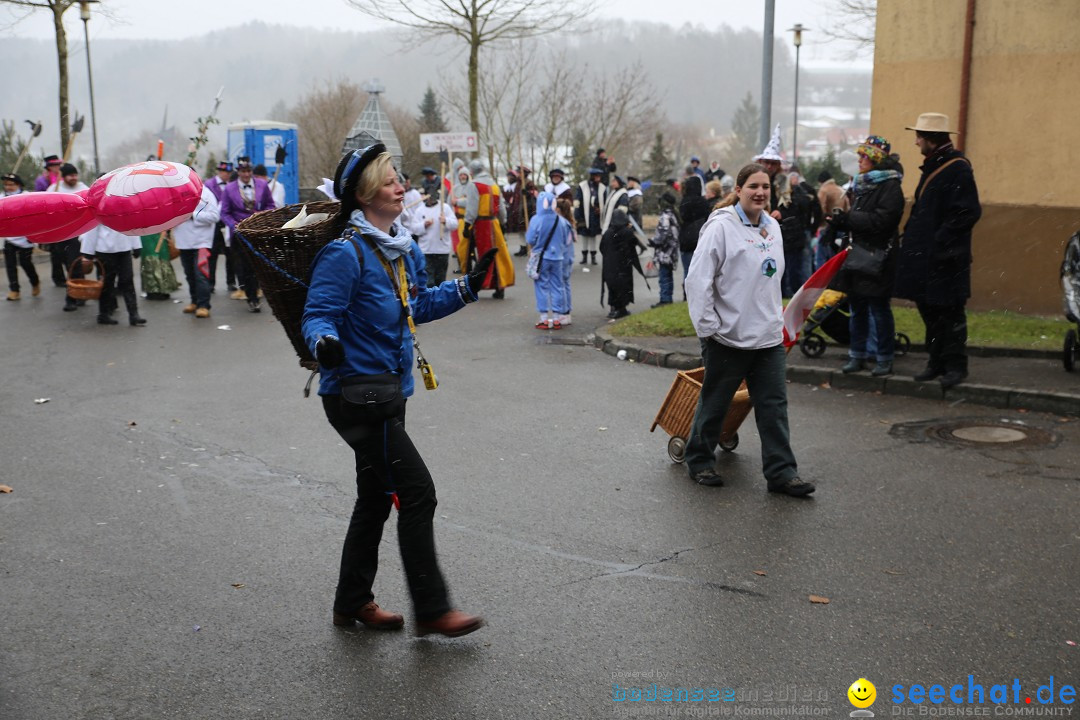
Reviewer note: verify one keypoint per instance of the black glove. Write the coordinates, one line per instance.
(480, 270)
(329, 352)
(136, 253)
(840, 220)
(467, 231)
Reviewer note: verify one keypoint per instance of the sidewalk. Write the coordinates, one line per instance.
(1037, 381)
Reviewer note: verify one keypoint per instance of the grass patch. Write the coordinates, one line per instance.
(988, 329)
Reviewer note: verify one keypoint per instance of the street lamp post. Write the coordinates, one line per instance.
(84, 13)
(798, 30)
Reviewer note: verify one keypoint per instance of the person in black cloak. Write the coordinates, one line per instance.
(618, 247)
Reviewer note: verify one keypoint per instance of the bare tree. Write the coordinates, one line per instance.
(57, 8)
(506, 104)
(324, 118)
(476, 22)
(853, 21)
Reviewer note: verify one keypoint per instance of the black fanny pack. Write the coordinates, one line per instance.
(372, 398)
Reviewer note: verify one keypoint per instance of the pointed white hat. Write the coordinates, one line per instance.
(772, 150)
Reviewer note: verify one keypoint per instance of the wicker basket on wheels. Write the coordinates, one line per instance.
(85, 288)
(281, 259)
(676, 414)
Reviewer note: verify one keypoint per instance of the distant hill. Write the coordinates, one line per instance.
(701, 75)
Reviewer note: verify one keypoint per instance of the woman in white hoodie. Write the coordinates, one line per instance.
(733, 293)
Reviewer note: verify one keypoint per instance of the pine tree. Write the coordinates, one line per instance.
(430, 118)
(659, 163)
(744, 130)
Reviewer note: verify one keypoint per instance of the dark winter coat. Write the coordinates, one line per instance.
(934, 265)
(872, 223)
(795, 219)
(618, 247)
(693, 212)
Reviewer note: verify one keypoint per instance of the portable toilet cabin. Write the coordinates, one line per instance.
(260, 140)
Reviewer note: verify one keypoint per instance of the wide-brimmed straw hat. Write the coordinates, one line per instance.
(933, 122)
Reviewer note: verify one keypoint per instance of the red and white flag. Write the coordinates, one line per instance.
(802, 304)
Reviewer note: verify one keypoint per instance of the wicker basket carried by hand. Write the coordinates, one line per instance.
(281, 257)
(85, 288)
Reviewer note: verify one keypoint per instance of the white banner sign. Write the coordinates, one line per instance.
(454, 142)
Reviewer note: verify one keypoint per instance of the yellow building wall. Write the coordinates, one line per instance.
(1023, 133)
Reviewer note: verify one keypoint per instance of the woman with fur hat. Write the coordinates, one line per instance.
(365, 297)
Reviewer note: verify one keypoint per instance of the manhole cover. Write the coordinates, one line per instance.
(997, 433)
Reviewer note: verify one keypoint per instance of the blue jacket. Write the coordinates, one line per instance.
(360, 307)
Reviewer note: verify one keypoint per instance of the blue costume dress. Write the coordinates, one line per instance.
(352, 297)
(551, 295)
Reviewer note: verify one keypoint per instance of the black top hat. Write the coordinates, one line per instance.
(224, 166)
(51, 160)
(243, 163)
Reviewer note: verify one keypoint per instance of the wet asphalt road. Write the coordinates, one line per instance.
(184, 566)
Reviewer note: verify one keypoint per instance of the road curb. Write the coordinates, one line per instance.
(973, 393)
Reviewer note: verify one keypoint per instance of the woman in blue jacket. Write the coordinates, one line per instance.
(366, 295)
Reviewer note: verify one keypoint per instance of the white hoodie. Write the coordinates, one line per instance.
(733, 284)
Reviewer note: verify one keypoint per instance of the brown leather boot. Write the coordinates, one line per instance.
(372, 616)
(453, 623)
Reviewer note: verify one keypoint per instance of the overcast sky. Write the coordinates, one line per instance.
(177, 19)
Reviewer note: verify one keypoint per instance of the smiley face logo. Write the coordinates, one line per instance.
(862, 693)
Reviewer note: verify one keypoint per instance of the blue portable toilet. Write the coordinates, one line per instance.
(259, 140)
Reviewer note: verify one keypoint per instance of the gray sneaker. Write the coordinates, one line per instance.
(795, 487)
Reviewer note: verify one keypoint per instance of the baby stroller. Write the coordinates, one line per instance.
(830, 315)
(1070, 283)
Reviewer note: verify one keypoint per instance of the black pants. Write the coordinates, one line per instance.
(220, 248)
(244, 272)
(16, 257)
(197, 283)
(436, 269)
(119, 280)
(56, 259)
(379, 448)
(946, 336)
(69, 251)
(764, 370)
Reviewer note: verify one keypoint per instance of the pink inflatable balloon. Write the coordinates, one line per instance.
(73, 229)
(33, 213)
(146, 197)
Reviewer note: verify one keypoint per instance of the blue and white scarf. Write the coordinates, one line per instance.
(865, 182)
(391, 246)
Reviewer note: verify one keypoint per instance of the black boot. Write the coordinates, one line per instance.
(593, 257)
(522, 251)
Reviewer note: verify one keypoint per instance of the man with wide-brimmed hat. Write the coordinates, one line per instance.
(934, 265)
